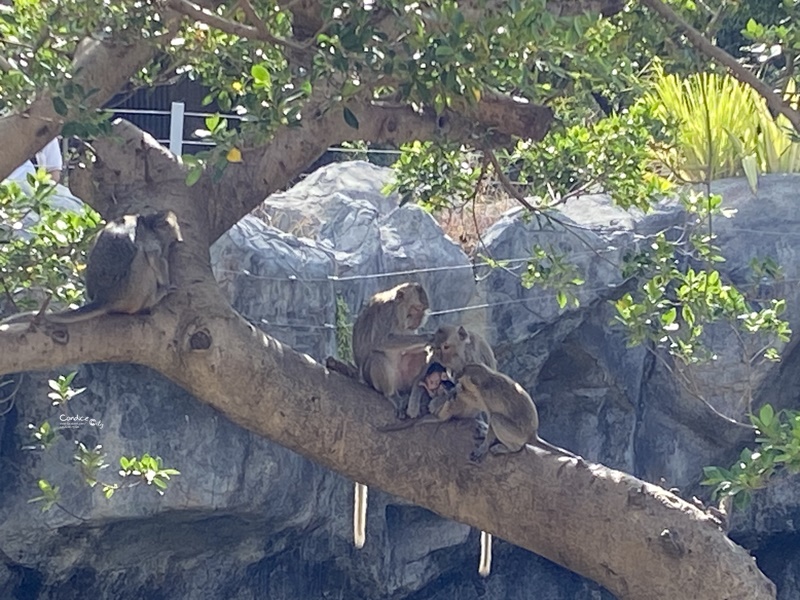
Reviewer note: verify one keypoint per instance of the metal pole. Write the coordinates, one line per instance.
(176, 128)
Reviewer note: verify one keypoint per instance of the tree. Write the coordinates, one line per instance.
(308, 75)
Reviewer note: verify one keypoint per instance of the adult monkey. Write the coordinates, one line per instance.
(389, 356)
(127, 269)
(455, 348)
(513, 418)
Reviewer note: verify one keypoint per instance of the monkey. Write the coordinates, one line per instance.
(389, 356)
(513, 419)
(431, 390)
(437, 391)
(127, 270)
(388, 353)
(455, 347)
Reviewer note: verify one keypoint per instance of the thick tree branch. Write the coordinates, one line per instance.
(123, 169)
(129, 171)
(271, 167)
(102, 66)
(636, 539)
(774, 101)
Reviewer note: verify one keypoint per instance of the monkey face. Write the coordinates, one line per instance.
(416, 316)
(412, 306)
(433, 381)
(449, 347)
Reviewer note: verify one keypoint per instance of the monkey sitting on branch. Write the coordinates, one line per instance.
(452, 347)
(513, 418)
(389, 356)
(456, 347)
(127, 270)
(388, 352)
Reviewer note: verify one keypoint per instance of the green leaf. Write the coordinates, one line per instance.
(193, 176)
(688, 315)
(443, 52)
(767, 415)
(212, 122)
(561, 298)
(350, 118)
(60, 106)
(261, 75)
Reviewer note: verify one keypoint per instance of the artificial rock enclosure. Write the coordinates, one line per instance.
(249, 519)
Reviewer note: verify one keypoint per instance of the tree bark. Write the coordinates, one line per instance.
(634, 538)
(100, 66)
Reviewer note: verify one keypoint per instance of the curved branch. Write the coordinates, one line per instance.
(101, 68)
(698, 40)
(130, 160)
(130, 169)
(271, 167)
(636, 539)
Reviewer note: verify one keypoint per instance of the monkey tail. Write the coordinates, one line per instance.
(485, 564)
(84, 313)
(348, 370)
(555, 449)
(360, 515)
(427, 419)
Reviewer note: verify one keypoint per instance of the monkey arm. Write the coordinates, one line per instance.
(406, 341)
(418, 393)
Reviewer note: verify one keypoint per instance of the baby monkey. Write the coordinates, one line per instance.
(513, 418)
(452, 347)
(127, 270)
(434, 388)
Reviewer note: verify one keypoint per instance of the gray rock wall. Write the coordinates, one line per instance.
(249, 519)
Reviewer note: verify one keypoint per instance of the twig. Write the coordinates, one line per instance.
(10, 398)
(509, 188)
(8, 295)
(726, 60)
(211, 19)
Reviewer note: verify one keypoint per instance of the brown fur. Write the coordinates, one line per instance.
(387, 352)
(513, 418)
(127, 270)
(453, 347)
(389, 356)
(456, 347)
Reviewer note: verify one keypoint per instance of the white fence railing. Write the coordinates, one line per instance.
(177, 128)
